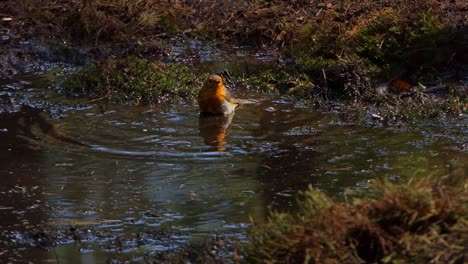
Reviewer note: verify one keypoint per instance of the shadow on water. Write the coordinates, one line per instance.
(290, 158)
(22, 196)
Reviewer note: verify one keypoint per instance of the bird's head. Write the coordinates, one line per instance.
(214, 81)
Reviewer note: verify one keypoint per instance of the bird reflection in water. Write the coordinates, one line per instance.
(214, 128)
(217, 109)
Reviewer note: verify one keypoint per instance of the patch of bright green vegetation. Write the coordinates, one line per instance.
(264, 81)
(321, 42)
(275, 80)
(385, 43)
(340, 58)
(427, 110)
(417, 105)
(134, 80)
(413, 41)
(421, 221)
(296, 86)
(416, 42)
(310, 64)
(458, 99)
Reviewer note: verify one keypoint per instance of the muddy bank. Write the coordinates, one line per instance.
(326, 51)
(140, 247)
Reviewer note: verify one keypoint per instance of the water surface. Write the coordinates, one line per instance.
(128, 172)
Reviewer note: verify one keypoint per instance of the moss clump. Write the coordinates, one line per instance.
(133, 79)
(422, 221)
(409, 42)
(449, 100)
(274, 80)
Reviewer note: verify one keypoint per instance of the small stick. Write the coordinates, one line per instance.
(326, 84)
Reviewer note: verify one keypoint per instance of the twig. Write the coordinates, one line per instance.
(326, 84)
(56, 256)
(318, 13)
(97, 99)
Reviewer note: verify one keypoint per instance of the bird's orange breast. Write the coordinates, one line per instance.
(214, 101)
(210, 100)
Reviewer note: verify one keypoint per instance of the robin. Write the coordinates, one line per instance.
(214, 98)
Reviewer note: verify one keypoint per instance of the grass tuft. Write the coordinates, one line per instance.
(421, 221)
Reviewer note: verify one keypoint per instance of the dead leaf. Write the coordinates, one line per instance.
(400, 85)
(281, 35)
(201, 26)
(262, 11)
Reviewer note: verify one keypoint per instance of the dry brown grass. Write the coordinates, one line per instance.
(126, 19)
(422, 221)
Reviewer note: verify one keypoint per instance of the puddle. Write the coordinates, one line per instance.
(133, 179)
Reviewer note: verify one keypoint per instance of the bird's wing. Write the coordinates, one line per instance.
(243, 101)
(228, 97)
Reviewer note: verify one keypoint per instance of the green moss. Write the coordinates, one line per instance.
(169, 23)
(263, 81)
(133, 79)
(310, 64)
(413, 42)
(427, 110)
(288, 83)
(418, 105)
(457, 99)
